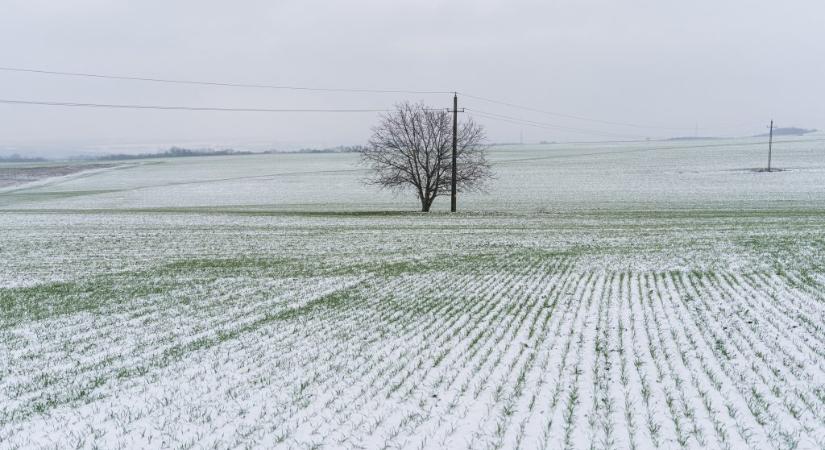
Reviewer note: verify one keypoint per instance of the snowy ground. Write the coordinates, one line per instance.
(17, 174)
(598, 297)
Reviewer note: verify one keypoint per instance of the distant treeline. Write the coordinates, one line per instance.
(174, 152)
(17, 158)
(338, 149)
(178, 152)
(789, 131)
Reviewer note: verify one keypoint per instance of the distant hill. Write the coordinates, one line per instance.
(788, 131)
(692, 138)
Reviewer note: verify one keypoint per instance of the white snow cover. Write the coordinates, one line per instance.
(597, 297)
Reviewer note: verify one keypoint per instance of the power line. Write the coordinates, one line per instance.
(191, 108)
(570, 116)
(326, 89)
(549, 126)
(217, 83)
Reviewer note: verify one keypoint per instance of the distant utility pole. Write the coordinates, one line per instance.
(454, 186)
(770, 144)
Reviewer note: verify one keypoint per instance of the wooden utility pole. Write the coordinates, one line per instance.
(770, 144)
(454, 186)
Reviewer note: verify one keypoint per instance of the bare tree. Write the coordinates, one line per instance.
(412, 148)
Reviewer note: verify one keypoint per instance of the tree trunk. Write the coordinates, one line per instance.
(425, 204)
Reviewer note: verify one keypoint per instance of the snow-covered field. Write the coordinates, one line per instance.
(633, 295)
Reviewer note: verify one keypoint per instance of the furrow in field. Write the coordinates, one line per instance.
(600, 418)
(531, 379)
(684, 359)
(706, 386)
(653, 424)
(616, 433)
(794, 344)
(505, 301)
(809, 288)
(764, 309)
(777, 366)
(565, 397)
(782, 296)
(629, 414)
(85, 370)
(669, 383)
(510, 377)
(717, 372)
(577, 383)
(791, 380)
(444, 328)
(326, 384)
(460, 371)
(555, 361)
(733, 355)
(78, 330)
(242, 369)
(424, 340)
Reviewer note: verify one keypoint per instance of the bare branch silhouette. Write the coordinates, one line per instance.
(412, 148)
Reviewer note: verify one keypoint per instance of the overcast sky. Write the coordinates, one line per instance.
(726, 66)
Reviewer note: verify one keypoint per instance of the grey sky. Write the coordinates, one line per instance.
(728, 66)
